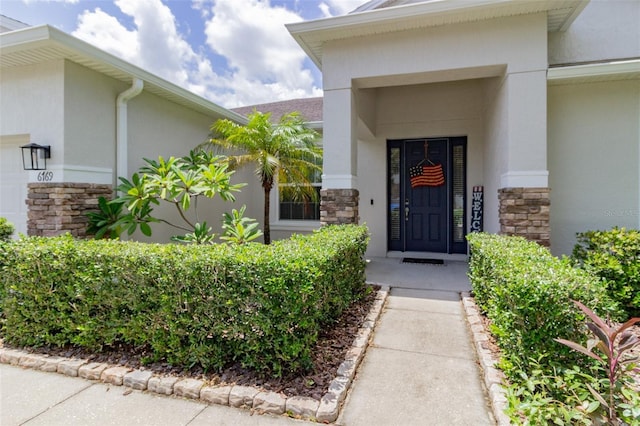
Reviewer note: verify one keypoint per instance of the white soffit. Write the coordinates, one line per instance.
(430, 77)
(312, 35)
(43, 43)
(586, 73)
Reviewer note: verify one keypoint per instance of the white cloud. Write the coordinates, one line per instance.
(325, 9)
(265, 63)
(104, 31)
(202, 6)
(162, 49)
(339, 7)
(155, 44)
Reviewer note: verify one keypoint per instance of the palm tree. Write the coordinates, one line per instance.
(286, 152)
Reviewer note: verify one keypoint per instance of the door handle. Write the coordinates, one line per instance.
(406, 210)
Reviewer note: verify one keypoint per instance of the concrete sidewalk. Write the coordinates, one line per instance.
(420, 368)
(31, 397)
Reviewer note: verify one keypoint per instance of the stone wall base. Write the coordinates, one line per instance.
(525, 212)
(338, 206)
(57, 208)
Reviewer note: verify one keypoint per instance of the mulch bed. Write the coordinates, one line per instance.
(328, 353)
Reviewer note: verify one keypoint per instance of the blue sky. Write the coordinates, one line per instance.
(233, 52)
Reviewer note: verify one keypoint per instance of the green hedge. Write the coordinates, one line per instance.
(258, 305)
(6, 229)
(614, 256)
(526, 292)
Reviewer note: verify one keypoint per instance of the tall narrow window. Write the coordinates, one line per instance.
(458, 193)
(394, 193)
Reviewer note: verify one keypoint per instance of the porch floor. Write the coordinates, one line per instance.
(393, 273)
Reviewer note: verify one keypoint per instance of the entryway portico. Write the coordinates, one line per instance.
(436, 70)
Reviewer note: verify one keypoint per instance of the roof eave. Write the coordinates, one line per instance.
(315, 125)
(74, 48)
(15, 40)
(616, 70)
(11, 24)
(299, 38)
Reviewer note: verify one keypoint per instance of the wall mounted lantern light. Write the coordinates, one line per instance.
(34, 156)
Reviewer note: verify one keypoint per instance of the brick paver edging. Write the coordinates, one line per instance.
(324, 410)
(492, 377)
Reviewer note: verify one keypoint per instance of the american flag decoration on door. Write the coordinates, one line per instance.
(423, 175)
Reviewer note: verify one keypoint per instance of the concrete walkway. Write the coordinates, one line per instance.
(419, 369)
(421, 366)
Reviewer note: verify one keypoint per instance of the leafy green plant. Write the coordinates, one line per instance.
(526, 292)
(551, 395)
(139, 212)
(179, 182)
(104, 222)
(560, 396)
(613, 255)
(239, 229)
(202, 234)
(614, 344)
(6, 229)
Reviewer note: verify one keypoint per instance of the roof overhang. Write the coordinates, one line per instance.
(11, 24)
(43, 43)
(588, 73)
(312, 35)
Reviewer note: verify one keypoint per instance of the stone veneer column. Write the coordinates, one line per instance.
(525, 212)
(338, 206)
(56, 208)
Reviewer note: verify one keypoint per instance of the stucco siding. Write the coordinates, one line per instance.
(339, 132)
(495, 151)
(478, 44)
(606, 29)
(32, 103)
(527, 123)
(13, 182)
(31, 99)
(594, 152)
(90, 117)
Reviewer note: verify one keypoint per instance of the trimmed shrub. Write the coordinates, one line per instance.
(614, 256)
(258, 305)
(6, 229)
(526, 293)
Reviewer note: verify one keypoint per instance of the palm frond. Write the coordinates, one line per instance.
(286, 151)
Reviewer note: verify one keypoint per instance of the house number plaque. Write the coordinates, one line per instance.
(46, 176)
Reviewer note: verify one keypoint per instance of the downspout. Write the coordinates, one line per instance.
(122, 143)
